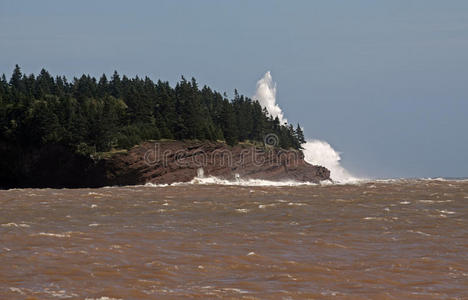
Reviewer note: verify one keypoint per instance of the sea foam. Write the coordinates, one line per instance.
(321, 153)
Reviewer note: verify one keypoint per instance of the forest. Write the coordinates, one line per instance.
(89, 115)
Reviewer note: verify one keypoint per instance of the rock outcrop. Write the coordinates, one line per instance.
(156, 162)
(179, 161)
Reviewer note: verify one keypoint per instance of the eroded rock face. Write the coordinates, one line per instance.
(179, 161)
(156, 162)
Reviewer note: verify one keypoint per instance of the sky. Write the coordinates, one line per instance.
(384, 82)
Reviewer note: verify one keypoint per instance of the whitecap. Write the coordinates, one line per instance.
(420, 232)
(17, 290)
(103, 298)
(58, 235)
(240, 291)
(15, 225)
(267, 205)
(448, 212)
(426, 201)
(296, 204)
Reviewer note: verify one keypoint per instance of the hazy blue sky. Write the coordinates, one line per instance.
(384, 82)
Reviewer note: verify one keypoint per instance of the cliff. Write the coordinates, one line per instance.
(158, 162)
(178, 161)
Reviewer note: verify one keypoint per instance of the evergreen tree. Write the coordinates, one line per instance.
(300, 134)
(90, 115)
(229, 124)
(16, 79)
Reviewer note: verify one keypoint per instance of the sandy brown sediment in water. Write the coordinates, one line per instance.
(399, 240)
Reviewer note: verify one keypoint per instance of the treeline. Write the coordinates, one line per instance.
(99, 115)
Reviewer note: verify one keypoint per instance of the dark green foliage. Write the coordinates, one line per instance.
(300, 134)
(90, 115)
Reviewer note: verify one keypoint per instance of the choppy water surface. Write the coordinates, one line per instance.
(398, 240)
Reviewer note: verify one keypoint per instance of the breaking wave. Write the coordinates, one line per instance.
(316, 152)
(212, 180)
(245, 182)
(320, 153)
(266, 96)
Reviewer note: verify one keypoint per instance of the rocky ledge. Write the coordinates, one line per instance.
(156, 162)
(181, 161)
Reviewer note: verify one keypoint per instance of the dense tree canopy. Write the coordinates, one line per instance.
(98, 115)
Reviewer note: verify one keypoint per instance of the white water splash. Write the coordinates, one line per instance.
(266, 96)
(316, 152)
(320, 153)
(245, 182)
(200, 173)
(212, 180)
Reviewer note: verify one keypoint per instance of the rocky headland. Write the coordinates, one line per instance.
(158, 162)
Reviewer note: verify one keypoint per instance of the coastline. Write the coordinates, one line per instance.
(161, 162)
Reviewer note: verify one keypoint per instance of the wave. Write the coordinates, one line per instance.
(212, 180)
(320, 153)
(316, 152)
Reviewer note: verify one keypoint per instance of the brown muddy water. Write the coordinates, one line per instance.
(375, 240)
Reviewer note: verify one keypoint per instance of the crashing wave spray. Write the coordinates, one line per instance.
(266, 96)
(316, 152)
(320, 153)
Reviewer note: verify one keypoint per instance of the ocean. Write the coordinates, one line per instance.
(387, 239)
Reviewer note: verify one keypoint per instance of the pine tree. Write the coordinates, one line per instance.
(300, 134)
(115, 85)
(229, 124)
(91, 115)
(16, 77)
(102, 86)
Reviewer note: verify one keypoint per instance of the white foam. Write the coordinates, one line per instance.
(62, 294)
(15, 225)
(444, 179)
(373, 218)
(447, 212)
(104, 298)
(320, 153)
(426, 201)
(17, 290)
(266, 96)
(150, 184)
(212, 180)
(420, 232)
(240, 291)
(263, 206)
(296, 204)
(58, 235)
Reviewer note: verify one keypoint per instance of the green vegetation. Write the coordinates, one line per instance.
(89, 115)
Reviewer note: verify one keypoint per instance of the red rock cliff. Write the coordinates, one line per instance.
(179, 161)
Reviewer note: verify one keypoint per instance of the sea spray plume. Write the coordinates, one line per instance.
(320, 153)
(316, 152)
(266, 96)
